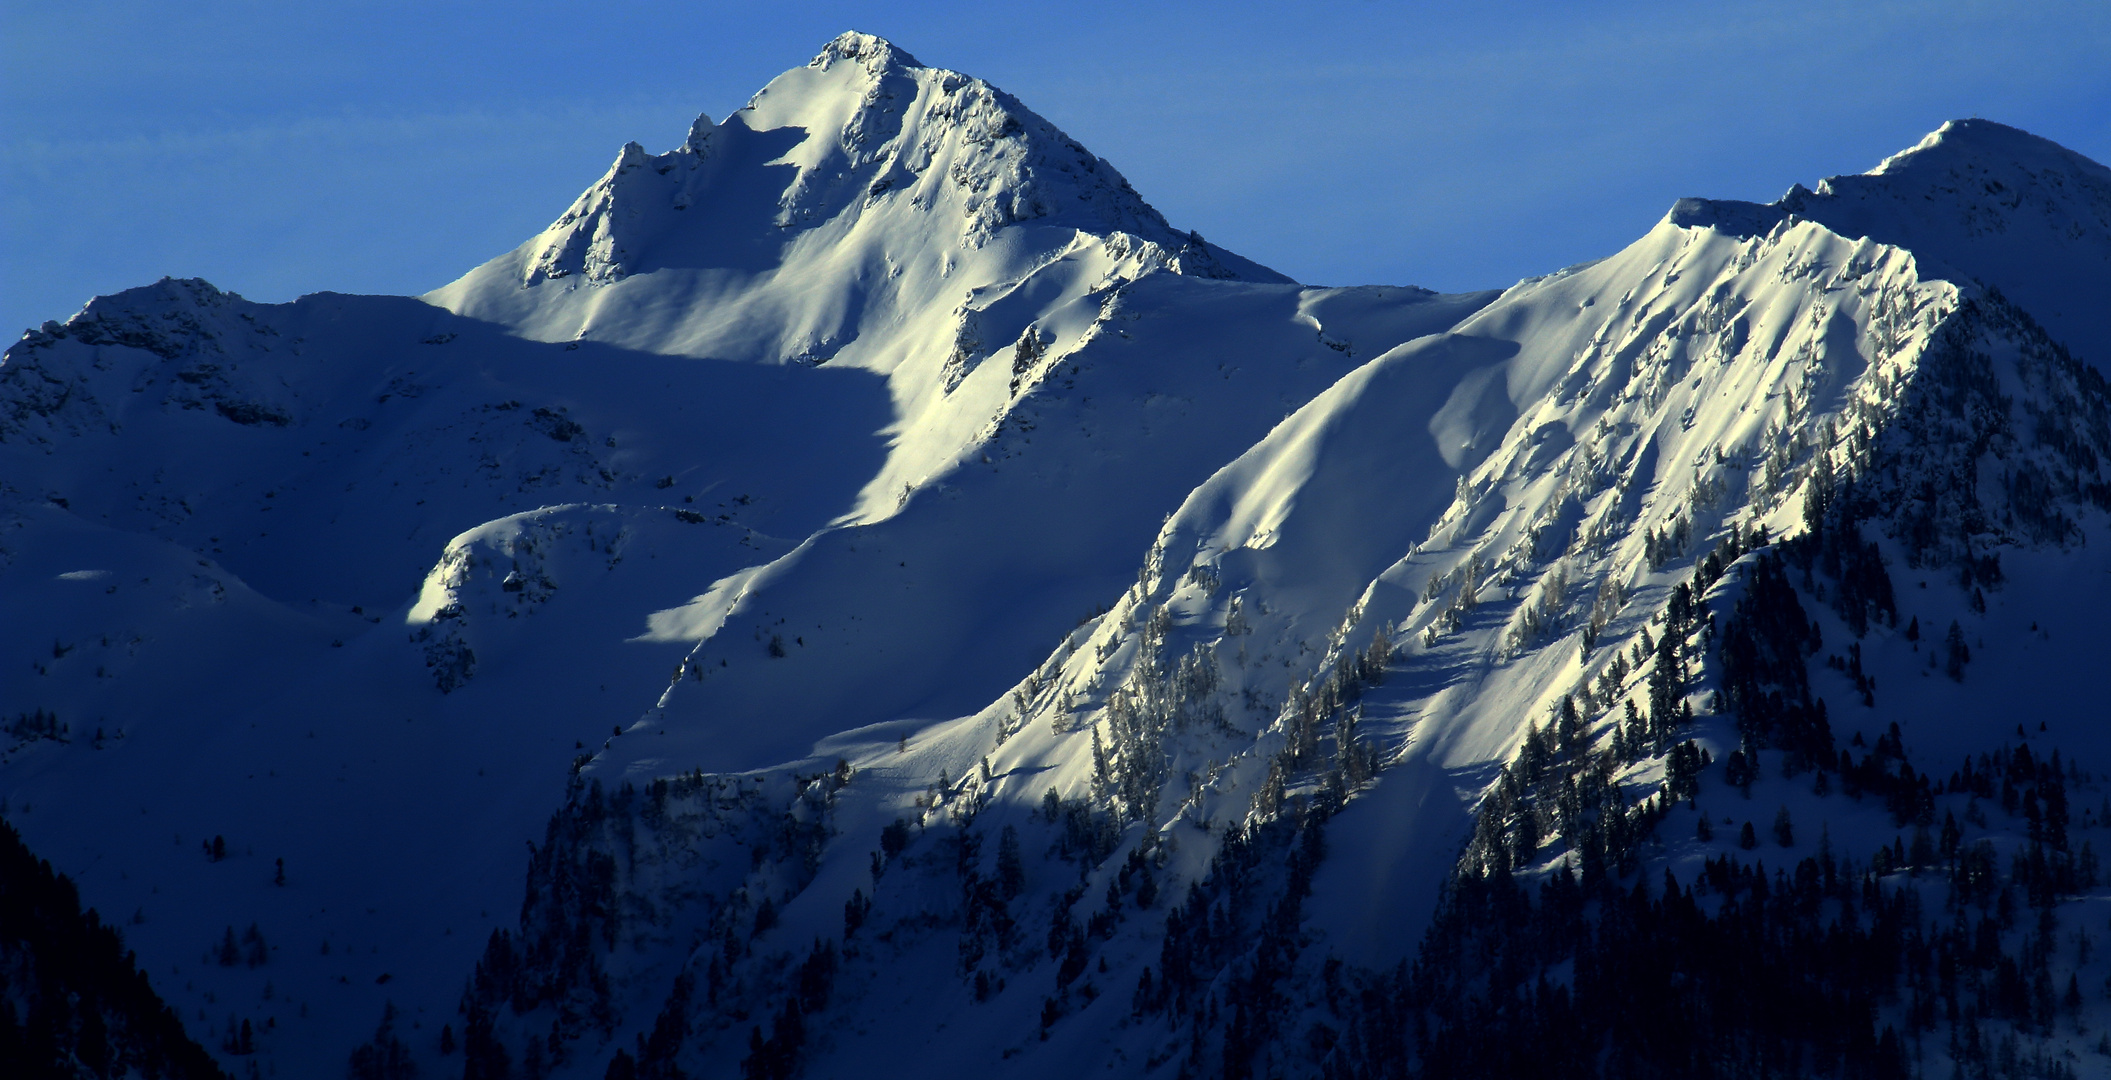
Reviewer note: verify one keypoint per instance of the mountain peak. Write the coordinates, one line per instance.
(1981, 143)
(700, 129)
(891, 180)
(1975, 200)
(868, 109)
(873, 51)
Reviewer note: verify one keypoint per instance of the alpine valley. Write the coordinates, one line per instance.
(861, 594)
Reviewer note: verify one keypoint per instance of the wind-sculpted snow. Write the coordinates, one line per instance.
(914, 605)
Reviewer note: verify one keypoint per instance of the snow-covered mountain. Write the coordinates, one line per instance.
(919, 610)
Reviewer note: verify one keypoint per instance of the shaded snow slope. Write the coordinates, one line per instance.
(219, 604)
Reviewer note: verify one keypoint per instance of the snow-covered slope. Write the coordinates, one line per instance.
(916, 606)
(350, 582)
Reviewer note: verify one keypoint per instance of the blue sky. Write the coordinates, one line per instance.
(277, 149)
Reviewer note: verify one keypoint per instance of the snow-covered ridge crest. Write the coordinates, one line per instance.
(504, 569)
(198, 348)
(474, 601)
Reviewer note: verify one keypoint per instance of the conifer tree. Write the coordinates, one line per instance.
(1955, 654)
(1011, 870)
